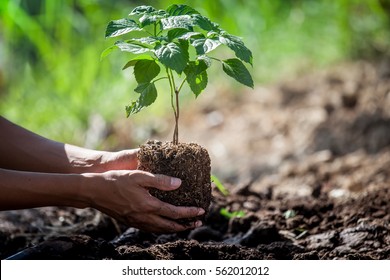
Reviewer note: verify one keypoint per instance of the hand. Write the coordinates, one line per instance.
(124, 195)
(99, 162)
(122, 160)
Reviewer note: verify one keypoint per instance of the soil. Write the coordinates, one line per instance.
(307, 160)
(189, 162)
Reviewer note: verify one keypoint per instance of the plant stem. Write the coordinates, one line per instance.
(176, 132)
(177, 111)
(172, 90)
(174, 108)
(158, 79)
(181, 85)
(217, 59)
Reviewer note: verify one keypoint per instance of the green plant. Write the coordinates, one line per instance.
(179, 40)
(226, 213)
(219, 185)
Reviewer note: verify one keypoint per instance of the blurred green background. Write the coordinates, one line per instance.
(52, 80)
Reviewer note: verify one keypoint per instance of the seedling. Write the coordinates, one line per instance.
(226, 213)
(175, 45)
(219, 185)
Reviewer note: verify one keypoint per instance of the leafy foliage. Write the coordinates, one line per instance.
(230, 215)
(219, 185)
(179, 40)
(52, 46)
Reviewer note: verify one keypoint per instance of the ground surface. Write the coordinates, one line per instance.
(307, 160)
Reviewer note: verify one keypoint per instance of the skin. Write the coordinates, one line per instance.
(38, 172)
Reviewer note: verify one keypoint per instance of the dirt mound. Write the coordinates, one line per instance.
(189, 162)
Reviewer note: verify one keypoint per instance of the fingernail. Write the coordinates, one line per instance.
(198, 223)
(175, 182)
(201, 212)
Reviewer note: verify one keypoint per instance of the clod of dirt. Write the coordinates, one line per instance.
(204, 234)
(261, 233)
(326, 240)
(66, 247)
(189, 250)
(189, 162)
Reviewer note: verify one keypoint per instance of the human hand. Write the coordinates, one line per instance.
(122, 160)
(100, 161)
(124, 195)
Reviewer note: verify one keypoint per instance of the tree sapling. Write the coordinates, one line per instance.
(175, 45)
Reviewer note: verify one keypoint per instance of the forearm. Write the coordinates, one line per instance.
(21, 149)
(121, 194)
(21, 189)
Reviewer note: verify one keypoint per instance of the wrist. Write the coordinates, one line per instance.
(83, 160)
(75, 191)
(90, 188)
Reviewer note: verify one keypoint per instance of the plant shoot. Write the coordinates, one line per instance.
(174, 45)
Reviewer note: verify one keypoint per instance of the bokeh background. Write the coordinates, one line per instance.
(53, 82)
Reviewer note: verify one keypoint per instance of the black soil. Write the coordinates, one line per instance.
(189, 162)
(307, 160)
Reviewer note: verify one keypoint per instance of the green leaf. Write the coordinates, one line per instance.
(133, 61)
(212, 34)
(189, 35)
(146, 70)
(132, 47)
(204, 23)
(132, 108)
(148, 42)
(176, 33)
(120, 27)
(196, 76)
(107, 51)
(219, 185)
(183, 21)
(226, 213)
(148, 95)
(173, 55)
(201, 65)
(153, 17)
(237, 70)
(176, 10)
(205, 45)
(141, 10)
(184, 45)
(235, 43)
(205, 59)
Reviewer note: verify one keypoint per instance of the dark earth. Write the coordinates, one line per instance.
(189, 162)
(307, 160)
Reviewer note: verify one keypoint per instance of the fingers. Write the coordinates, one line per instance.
(179, 212)
(166, 183)
(166, 225)
(168, 214)
(158, 224)
(129, 158)
(158, 181)
(132, 153)
(121, 160)
(155, 215)
(155, 206)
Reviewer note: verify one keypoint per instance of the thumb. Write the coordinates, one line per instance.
(159, 181)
